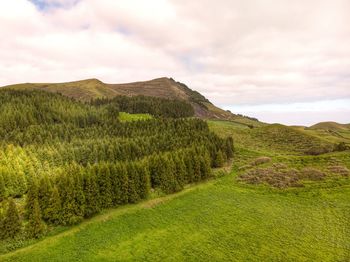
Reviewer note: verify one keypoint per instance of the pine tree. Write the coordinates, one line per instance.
(35, 227)
(206, 171)
(79, 193)
(133, 196)
(122, 184)
(104, 182)
(12, 223)
(32, 195)
(3, 193)
(219, 159)
(44, 195)
(144, 180)
(69, 204)
(229, 147)
(54, 209)
(91, 192)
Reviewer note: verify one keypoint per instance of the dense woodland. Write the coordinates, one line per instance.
(62, 160)
(152, 105)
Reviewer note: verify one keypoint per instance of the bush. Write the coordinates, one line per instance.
(311, 174)
(261, 160)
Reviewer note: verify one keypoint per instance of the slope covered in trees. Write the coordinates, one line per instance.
(63, 160)
(166, 88)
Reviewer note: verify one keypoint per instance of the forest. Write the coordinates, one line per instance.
(62, 160)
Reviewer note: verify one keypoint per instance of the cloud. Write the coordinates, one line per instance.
(251, 52)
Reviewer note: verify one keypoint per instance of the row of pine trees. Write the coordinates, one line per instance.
(81, 192)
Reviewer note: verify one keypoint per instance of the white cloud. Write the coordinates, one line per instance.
(236, 52)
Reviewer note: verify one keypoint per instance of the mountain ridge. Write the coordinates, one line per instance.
(163, 87)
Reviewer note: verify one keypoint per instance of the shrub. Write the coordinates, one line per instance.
(340, 170)
(261, 160)
(311, 174)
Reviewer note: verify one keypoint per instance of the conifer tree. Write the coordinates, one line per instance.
(121, 184)
(44, 195)
(69, 204)
(3, 192)
(32, 195)
(219, 159)
(144, 180)
(91, 192)
(133, 196)
(35, 227)
(12, 223)
(54, 209)
(104, 182)
(229, 147)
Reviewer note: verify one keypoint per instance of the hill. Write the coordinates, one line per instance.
(273, 138)
(330, 126)
(164, 87)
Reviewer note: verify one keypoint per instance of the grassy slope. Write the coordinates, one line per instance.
(269, 138)
(221, 220)
(217, 221)
(330, 126)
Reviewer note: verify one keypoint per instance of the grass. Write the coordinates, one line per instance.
(267, 139)
(124, 117)
(217, 221)
(221, 220)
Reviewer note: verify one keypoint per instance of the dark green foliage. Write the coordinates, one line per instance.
(91, 192)
(341, 147)
(54, 209)
(44, 195)
(11, 224)
(32, 196)
(159, 107)
(219, 159)
(35, 227)
(105, 185)
(3, 193)
(70, 209)
(229, 149)
(74, 159)
(120, 184)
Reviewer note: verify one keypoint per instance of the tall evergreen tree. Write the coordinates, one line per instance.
(32, 195)
(219, 159)
(54, 209)
(35, 227)
(3, 192)
(91, 192)
(44, 195)
(12, 223)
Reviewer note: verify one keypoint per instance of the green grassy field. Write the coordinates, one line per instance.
(217, 221)
(224, 219)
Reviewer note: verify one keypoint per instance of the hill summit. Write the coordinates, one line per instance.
(163, 87)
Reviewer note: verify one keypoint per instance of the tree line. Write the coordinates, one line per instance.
(159, 107)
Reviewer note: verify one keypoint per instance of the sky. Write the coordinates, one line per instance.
(278, 60)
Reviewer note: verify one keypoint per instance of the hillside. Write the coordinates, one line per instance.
(330, 126)
(224, 219)
(85, 90)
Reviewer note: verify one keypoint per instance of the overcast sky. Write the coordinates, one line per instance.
(278, 60)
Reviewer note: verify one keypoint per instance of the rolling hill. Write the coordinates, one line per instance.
(164, 87)
(330, 126)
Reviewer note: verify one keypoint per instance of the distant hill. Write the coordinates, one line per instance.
(164, 87)
(330, 126)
